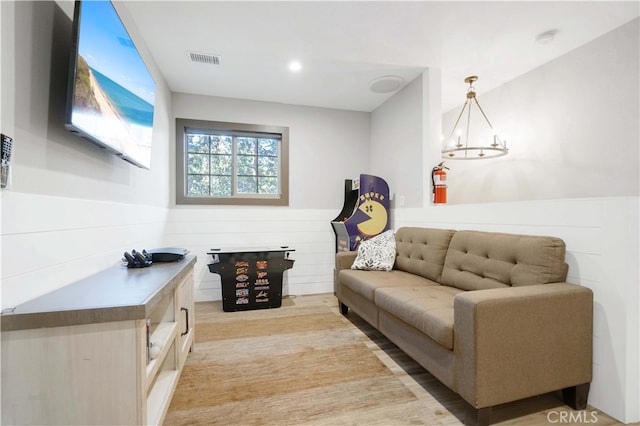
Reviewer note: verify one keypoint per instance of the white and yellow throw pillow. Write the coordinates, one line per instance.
(377, 253)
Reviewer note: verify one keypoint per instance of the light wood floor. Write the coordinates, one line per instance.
(545, 409)
(427, 401)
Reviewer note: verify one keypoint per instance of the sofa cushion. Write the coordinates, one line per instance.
(427, 308)
(377, 253)
(481, 260)
(421, 251)
(365, 283)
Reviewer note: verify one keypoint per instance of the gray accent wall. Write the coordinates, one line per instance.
(571, 126)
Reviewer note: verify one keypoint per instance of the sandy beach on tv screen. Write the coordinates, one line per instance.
(110, 127)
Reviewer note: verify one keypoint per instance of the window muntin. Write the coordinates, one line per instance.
(231, 163)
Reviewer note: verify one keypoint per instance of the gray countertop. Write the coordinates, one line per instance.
(115, 294)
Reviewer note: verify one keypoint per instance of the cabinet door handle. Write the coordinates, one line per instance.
(186, 316)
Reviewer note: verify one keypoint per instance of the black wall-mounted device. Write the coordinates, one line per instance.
(7, 147)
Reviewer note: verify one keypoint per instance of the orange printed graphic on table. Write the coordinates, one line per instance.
(262, 274)
(240, 263)
(242, 277)
(244, 270)
(261, 264)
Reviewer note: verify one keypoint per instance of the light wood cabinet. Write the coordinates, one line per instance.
(79, 355)
(185, 322)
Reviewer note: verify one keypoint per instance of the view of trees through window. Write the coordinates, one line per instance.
(227, 165)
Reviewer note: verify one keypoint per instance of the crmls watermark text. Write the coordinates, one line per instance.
(559, 417)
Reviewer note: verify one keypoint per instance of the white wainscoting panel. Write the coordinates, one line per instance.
(49, 242)
(309, 232)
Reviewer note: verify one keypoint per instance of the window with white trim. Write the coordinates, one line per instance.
(231, 163)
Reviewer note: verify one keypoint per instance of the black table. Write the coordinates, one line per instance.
(251, 277)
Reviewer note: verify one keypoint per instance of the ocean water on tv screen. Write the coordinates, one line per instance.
(114, 92)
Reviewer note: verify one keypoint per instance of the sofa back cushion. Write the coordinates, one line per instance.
(481, 260)
(421, 251)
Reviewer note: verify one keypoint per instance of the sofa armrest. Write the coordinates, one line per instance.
(344, 259)
(516, 342)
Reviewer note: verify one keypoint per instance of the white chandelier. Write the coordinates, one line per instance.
(460, 145)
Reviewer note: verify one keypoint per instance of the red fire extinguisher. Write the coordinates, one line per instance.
(439, 181)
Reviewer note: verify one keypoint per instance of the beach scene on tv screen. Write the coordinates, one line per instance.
(114, 93)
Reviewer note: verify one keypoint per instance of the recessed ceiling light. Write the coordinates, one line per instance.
(546, 37)
(386, 84)
(295, 66)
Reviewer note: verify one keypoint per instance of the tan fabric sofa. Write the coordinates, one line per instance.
(488, 314)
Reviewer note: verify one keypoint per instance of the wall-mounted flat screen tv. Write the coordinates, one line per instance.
(111, 93)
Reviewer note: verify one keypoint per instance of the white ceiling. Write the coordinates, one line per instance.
(345, 45)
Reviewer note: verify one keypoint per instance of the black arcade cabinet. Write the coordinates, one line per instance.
(251, 277)
(365, 213)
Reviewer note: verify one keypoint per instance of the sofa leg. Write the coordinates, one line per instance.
(344, 309)
(576, 396)
(477, 416)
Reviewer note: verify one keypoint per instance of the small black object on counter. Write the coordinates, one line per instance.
(137, 259)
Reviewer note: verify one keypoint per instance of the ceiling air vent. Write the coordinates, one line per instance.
(204, 58)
